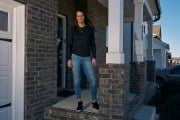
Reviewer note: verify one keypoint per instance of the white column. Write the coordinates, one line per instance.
(18, 62)
(150, 40)
(115, 32)
(138, 35)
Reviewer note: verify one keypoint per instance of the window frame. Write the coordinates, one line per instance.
(7, 34)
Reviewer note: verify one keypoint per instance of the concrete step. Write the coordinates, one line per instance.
(145, 113)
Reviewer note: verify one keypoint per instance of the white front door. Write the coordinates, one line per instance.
(5, 79)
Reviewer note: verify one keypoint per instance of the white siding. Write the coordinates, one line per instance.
(157, 58)
(159, 53)
(145, 40)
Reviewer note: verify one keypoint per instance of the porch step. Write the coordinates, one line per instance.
(145, 113)
(65, 109)
(52, 113)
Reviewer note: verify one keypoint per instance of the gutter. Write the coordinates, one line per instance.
(157, 16)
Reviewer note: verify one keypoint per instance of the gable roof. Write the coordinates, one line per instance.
(157, 31)
(157, 44)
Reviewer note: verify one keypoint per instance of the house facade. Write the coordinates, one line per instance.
(174, 60)
(33, 37)
(160, 53)
(160, 49)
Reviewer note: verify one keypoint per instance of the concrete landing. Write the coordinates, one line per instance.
(71, 102)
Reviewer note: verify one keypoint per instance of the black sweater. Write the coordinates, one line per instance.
(81, 42)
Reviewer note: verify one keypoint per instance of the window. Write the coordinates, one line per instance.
(3, 21)
(6, 22)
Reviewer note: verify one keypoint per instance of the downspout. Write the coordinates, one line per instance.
(157, 16)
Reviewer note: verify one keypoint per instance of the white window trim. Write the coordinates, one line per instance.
(7, 34)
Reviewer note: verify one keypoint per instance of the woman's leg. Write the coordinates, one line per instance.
(91, 76)
(76, 69)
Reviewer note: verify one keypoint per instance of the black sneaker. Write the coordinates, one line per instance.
(95, 105)
(80, 106)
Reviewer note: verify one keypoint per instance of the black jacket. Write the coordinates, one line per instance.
(81, 42)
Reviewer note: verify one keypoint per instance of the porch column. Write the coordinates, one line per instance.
(138, 66)
(150, 38)
(138, 39)
(150, 71)
(114, 92)
(115, 32)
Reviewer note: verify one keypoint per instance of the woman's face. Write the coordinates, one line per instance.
(80, 17)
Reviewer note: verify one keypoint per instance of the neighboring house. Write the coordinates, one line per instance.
(160, 48)
(33, 70)
(175, 60)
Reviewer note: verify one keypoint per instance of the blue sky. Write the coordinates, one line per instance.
(170, 25)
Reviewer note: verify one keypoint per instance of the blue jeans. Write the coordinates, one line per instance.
(85, 63)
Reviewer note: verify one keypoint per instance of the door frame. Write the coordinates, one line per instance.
(18, 62)
(63, 78)
(16, 32)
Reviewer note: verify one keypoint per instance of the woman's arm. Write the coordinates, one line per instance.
(93, 48)
(93, 44)
(69, 45)
(69, 49)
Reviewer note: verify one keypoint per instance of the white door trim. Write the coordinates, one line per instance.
(16, 32)
(18, 58)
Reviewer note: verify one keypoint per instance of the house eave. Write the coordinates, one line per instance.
(162, 43)
(158, 16)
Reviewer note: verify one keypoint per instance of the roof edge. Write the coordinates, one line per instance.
(158, 16)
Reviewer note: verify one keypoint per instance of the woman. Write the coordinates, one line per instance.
(80, 44)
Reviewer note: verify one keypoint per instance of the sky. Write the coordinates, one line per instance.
(170, 25)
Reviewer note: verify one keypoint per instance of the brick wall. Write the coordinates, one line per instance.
(137, 85)
(151, 71)
(40, 57)
(151, 84)
(137, 77)
(52, 113)
(114, 92)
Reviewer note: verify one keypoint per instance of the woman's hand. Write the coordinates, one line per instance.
(69, 63)
(94, 62)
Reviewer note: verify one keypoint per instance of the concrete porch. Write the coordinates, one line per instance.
(65, 108)
(71, 103)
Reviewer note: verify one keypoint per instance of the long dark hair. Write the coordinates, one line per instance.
(87, 21)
